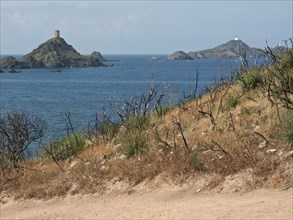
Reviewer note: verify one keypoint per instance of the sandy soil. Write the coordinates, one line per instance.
(163, 203)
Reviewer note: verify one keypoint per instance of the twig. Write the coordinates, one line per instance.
(222, 149)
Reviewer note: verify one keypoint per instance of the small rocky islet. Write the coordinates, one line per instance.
(231, 49)
(54, 53)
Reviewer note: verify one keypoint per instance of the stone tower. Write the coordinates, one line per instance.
(57, 34)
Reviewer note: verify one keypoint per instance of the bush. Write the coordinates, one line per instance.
(134, 137)
(233, 100)
(287, 60)
(287, 127)
(196, 162)
(135, 143)
(251, 79)
(103, 130)
(17, 132)
(66, 147)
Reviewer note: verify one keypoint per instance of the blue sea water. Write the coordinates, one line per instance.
(83, 91)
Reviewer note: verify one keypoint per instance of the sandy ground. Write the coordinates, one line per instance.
(164, 203)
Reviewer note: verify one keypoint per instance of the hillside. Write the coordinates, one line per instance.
(237, 137)
(54, 53)
(233, 48)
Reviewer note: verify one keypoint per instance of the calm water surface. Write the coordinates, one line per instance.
(83, 91)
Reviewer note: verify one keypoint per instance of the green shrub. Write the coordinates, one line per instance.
(107, 130)
(134, 137)
(66, 147)
(287, 126)
(135, 143)
(137, 122)
(233, 100)
(196, 162)
(287, 60)
(251, 79)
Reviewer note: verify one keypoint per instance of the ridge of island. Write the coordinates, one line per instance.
(54, 53)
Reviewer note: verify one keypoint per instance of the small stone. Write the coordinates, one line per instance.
(73, 163)
(256, 129)
(117, 146)
(121, 157)
(194, 147)
(290, 153)
(262, 144)
(272, 151)
(198, 190)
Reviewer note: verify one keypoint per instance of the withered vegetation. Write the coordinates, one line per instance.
(244, 126)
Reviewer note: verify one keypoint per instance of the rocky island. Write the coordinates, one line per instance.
(233, 48)
(54, 53)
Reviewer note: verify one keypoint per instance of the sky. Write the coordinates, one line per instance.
(143, 27)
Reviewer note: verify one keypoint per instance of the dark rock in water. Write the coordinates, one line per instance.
(9, 62)
(231, 49)
(179, 55)
(95, 59)
(56, 71)
(54, 53)
(2, 71)
(25, 62)
(97, 55)
(14, 71)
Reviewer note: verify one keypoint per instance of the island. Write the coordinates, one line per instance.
(231, 49)
(154, 58)
(54, 53)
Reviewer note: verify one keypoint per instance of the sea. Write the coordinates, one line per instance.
(85, 92)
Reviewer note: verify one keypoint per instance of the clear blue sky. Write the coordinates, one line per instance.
(143, 27)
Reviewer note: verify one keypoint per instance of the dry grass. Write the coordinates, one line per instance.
(228, 146)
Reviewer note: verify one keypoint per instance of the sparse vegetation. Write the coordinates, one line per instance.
(64, 148)
(233, 100)
(287, 127)
(278, 84)
(251, 79)
(103, 130)
(134, 137)
(18, 131)
(207, 134)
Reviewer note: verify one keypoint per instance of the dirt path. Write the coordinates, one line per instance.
(158, 204)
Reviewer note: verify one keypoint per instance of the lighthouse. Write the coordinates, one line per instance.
(236, 38)
(57, 34)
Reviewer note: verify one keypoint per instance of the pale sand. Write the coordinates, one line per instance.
(162, 203)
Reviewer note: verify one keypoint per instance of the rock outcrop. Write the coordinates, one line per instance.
(54, 53)
(179, 55)
(231, 49)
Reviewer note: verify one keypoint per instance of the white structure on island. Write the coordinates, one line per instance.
(57, 34)
(236, 38)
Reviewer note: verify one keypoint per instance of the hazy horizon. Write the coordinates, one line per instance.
(143, 27)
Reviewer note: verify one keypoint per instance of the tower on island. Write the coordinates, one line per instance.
(236, 38)
(57, 34)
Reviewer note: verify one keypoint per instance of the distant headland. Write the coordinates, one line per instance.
(54, 53)
(231, 49)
